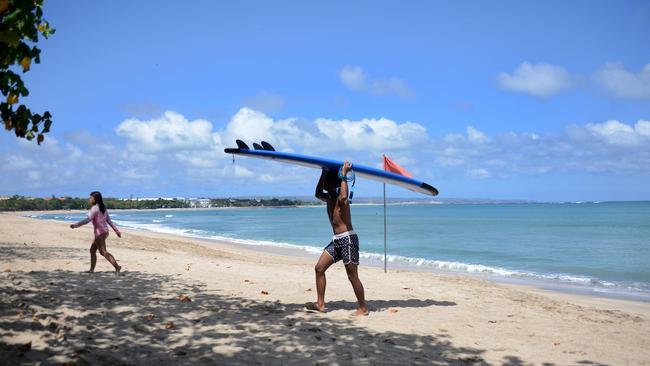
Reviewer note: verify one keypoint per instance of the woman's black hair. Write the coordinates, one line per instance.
(99, 200)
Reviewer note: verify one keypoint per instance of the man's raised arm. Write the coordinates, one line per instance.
(343, 191)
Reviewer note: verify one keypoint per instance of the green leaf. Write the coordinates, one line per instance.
(10, 37)
(12, 17)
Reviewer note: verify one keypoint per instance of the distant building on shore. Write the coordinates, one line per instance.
(55, 198)
(199, 202)
(153, 199)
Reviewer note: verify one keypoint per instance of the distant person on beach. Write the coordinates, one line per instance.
(345, 244)
(100, 219)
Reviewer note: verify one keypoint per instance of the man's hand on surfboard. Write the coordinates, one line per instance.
(347, 166)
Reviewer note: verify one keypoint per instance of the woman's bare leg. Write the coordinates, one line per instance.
(101, 246)
(93, 256)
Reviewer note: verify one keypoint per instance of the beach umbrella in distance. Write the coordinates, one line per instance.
(393, 167)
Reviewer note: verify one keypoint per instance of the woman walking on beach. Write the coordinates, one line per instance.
(100, 219)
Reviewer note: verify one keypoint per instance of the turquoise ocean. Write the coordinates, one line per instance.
(593, 248)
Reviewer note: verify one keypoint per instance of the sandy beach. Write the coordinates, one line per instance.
(187, 301)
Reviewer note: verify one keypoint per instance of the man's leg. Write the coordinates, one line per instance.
(324, 262)
(357, 286)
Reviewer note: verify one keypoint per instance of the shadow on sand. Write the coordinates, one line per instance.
(138, 319)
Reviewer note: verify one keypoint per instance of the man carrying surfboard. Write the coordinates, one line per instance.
(332, 188)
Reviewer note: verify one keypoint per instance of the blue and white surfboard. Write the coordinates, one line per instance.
(266, 151)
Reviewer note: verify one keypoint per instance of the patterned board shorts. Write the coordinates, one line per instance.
(344, 246)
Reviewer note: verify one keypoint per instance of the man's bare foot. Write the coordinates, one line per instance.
(361, 312)
(312, 306)
(117, 270)
(90, 271)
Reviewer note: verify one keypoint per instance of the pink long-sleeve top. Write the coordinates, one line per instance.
(100, 221)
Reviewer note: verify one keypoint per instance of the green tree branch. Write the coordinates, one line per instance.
(21, 22)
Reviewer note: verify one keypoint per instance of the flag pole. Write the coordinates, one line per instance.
(384, 227)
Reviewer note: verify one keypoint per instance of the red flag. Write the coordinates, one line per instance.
(392, 167)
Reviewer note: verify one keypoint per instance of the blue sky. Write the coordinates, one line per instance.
(509, 99)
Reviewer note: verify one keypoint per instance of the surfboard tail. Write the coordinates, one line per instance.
(267, 146)
(242, 145)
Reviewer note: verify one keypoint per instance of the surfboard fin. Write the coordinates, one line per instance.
(267, 146)
(257, 146)
(242, 145)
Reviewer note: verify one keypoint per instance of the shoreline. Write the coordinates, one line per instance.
(36, 212)
(308, 252)
(247, 307)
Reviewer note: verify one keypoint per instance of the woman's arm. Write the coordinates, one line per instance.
(110, 222)
(88, 219)
(81, 223)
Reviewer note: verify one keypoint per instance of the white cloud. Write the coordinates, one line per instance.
(369, 134)
(253, 126)
(610, 146)
(172, 131)
(616, 133)
(34, 175)
(622, 83)
(250, 125)
(613, 132)
(454, 137)
(195, 149)
(377, 135)
(204, 160)
(446, 161)
(16, 162)
(475, 135)
(354, 77)
(46, 167)
(539, 80)
(139, 174)
(242, 172)
(201, 159)
(478, 173)
(642, 128)
(270, 178)
(391, 85)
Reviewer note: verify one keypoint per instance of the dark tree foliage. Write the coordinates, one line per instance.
(21, 22)
(20, 203)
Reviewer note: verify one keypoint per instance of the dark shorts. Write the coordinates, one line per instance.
(344, 246)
